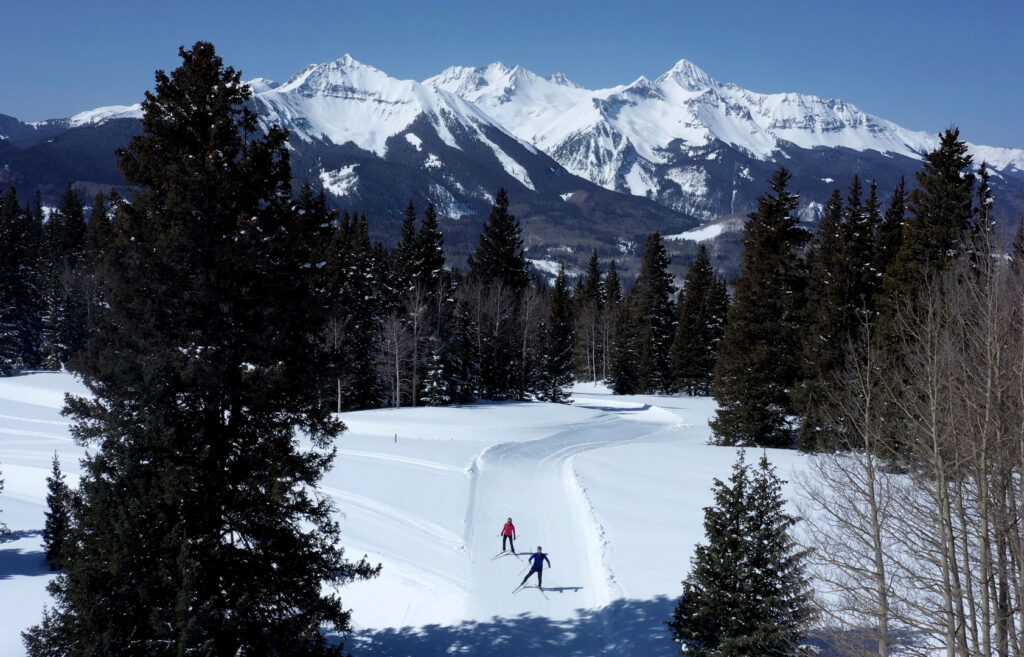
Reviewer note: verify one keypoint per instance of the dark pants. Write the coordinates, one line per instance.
(510, 543)
(540, 576)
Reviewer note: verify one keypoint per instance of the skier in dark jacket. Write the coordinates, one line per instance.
(537, 559)
(508, 533)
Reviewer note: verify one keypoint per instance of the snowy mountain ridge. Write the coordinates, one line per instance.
(586, 168)
(618, 137)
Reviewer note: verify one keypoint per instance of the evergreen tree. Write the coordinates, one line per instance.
(860, 246)
(984, 222)
(609, 313)
(60, 269)
(1017, 247)
(20, 321)
(651, 298)
(407, 252)
(354, 282)
(746, 593)
(825, 305)
(589, 298)
(703, 305)
(890, 232)
(58, 516)
(758, 362)
(499, 255)
(198, 530)
(436, 388)
(557, 366)
(430, 251)
(940, 213)
(623, 368)
(464, 369)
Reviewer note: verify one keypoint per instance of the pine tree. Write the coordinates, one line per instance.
(464, 370)
(436, 387)
(197, 530)
(60, 269)
(58, 516)
(353, 280)
(430, 251)
(589, 298)
(406, 253)
(609, 313)
(556, 369)
(499, 255)
(825, 306)
(703, 305)
(21, 334)
(623, 368)
(940, 213)
(651, 298)
(984, 222)
(1017, 247)
(746, 593)
(758, 362)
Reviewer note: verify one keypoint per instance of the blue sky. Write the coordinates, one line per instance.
(925, 64)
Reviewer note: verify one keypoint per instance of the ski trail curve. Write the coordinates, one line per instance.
(534, 483)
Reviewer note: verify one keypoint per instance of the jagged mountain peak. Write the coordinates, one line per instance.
(334, 77)
(688, 76)
(563, 80)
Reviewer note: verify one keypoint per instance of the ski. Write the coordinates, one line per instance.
(521, 587)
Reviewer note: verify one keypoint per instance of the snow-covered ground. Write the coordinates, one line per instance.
(612, 487)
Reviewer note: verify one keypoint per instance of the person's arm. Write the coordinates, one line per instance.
(514, 532)
(548, 560)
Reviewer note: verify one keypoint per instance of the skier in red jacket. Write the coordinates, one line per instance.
(508, 533)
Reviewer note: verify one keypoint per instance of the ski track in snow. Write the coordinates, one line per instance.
(426, 492)
(533, 482)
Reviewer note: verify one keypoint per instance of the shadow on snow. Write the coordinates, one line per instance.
(625, 628)
(16, 562)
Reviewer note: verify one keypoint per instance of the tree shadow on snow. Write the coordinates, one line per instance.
(15, 561)
(625, 628)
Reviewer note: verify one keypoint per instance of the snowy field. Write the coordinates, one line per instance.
(612, 487)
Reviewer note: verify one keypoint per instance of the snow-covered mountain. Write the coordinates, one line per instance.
(662, 138)
(584, 168)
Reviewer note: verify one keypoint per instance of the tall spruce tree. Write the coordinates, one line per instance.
(57, 527)
(759, 362)
(353, 279)
(609, 313)
(747, 592)
(654, 313)
(60, 269)
(198, 530)
(703, 306)
(589, 301)
(939, 217)
(499, 255)
(558, 337)
(498, 275)
(21, 334)
(623, 366)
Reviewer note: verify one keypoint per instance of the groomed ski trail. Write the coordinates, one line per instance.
(534, 484)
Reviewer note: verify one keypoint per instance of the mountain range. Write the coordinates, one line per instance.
(683, 154)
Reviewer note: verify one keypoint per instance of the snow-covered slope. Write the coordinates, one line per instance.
(611, 487)
(104, 114)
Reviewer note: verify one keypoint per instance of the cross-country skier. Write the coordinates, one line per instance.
(508, 533)
(537, 558)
